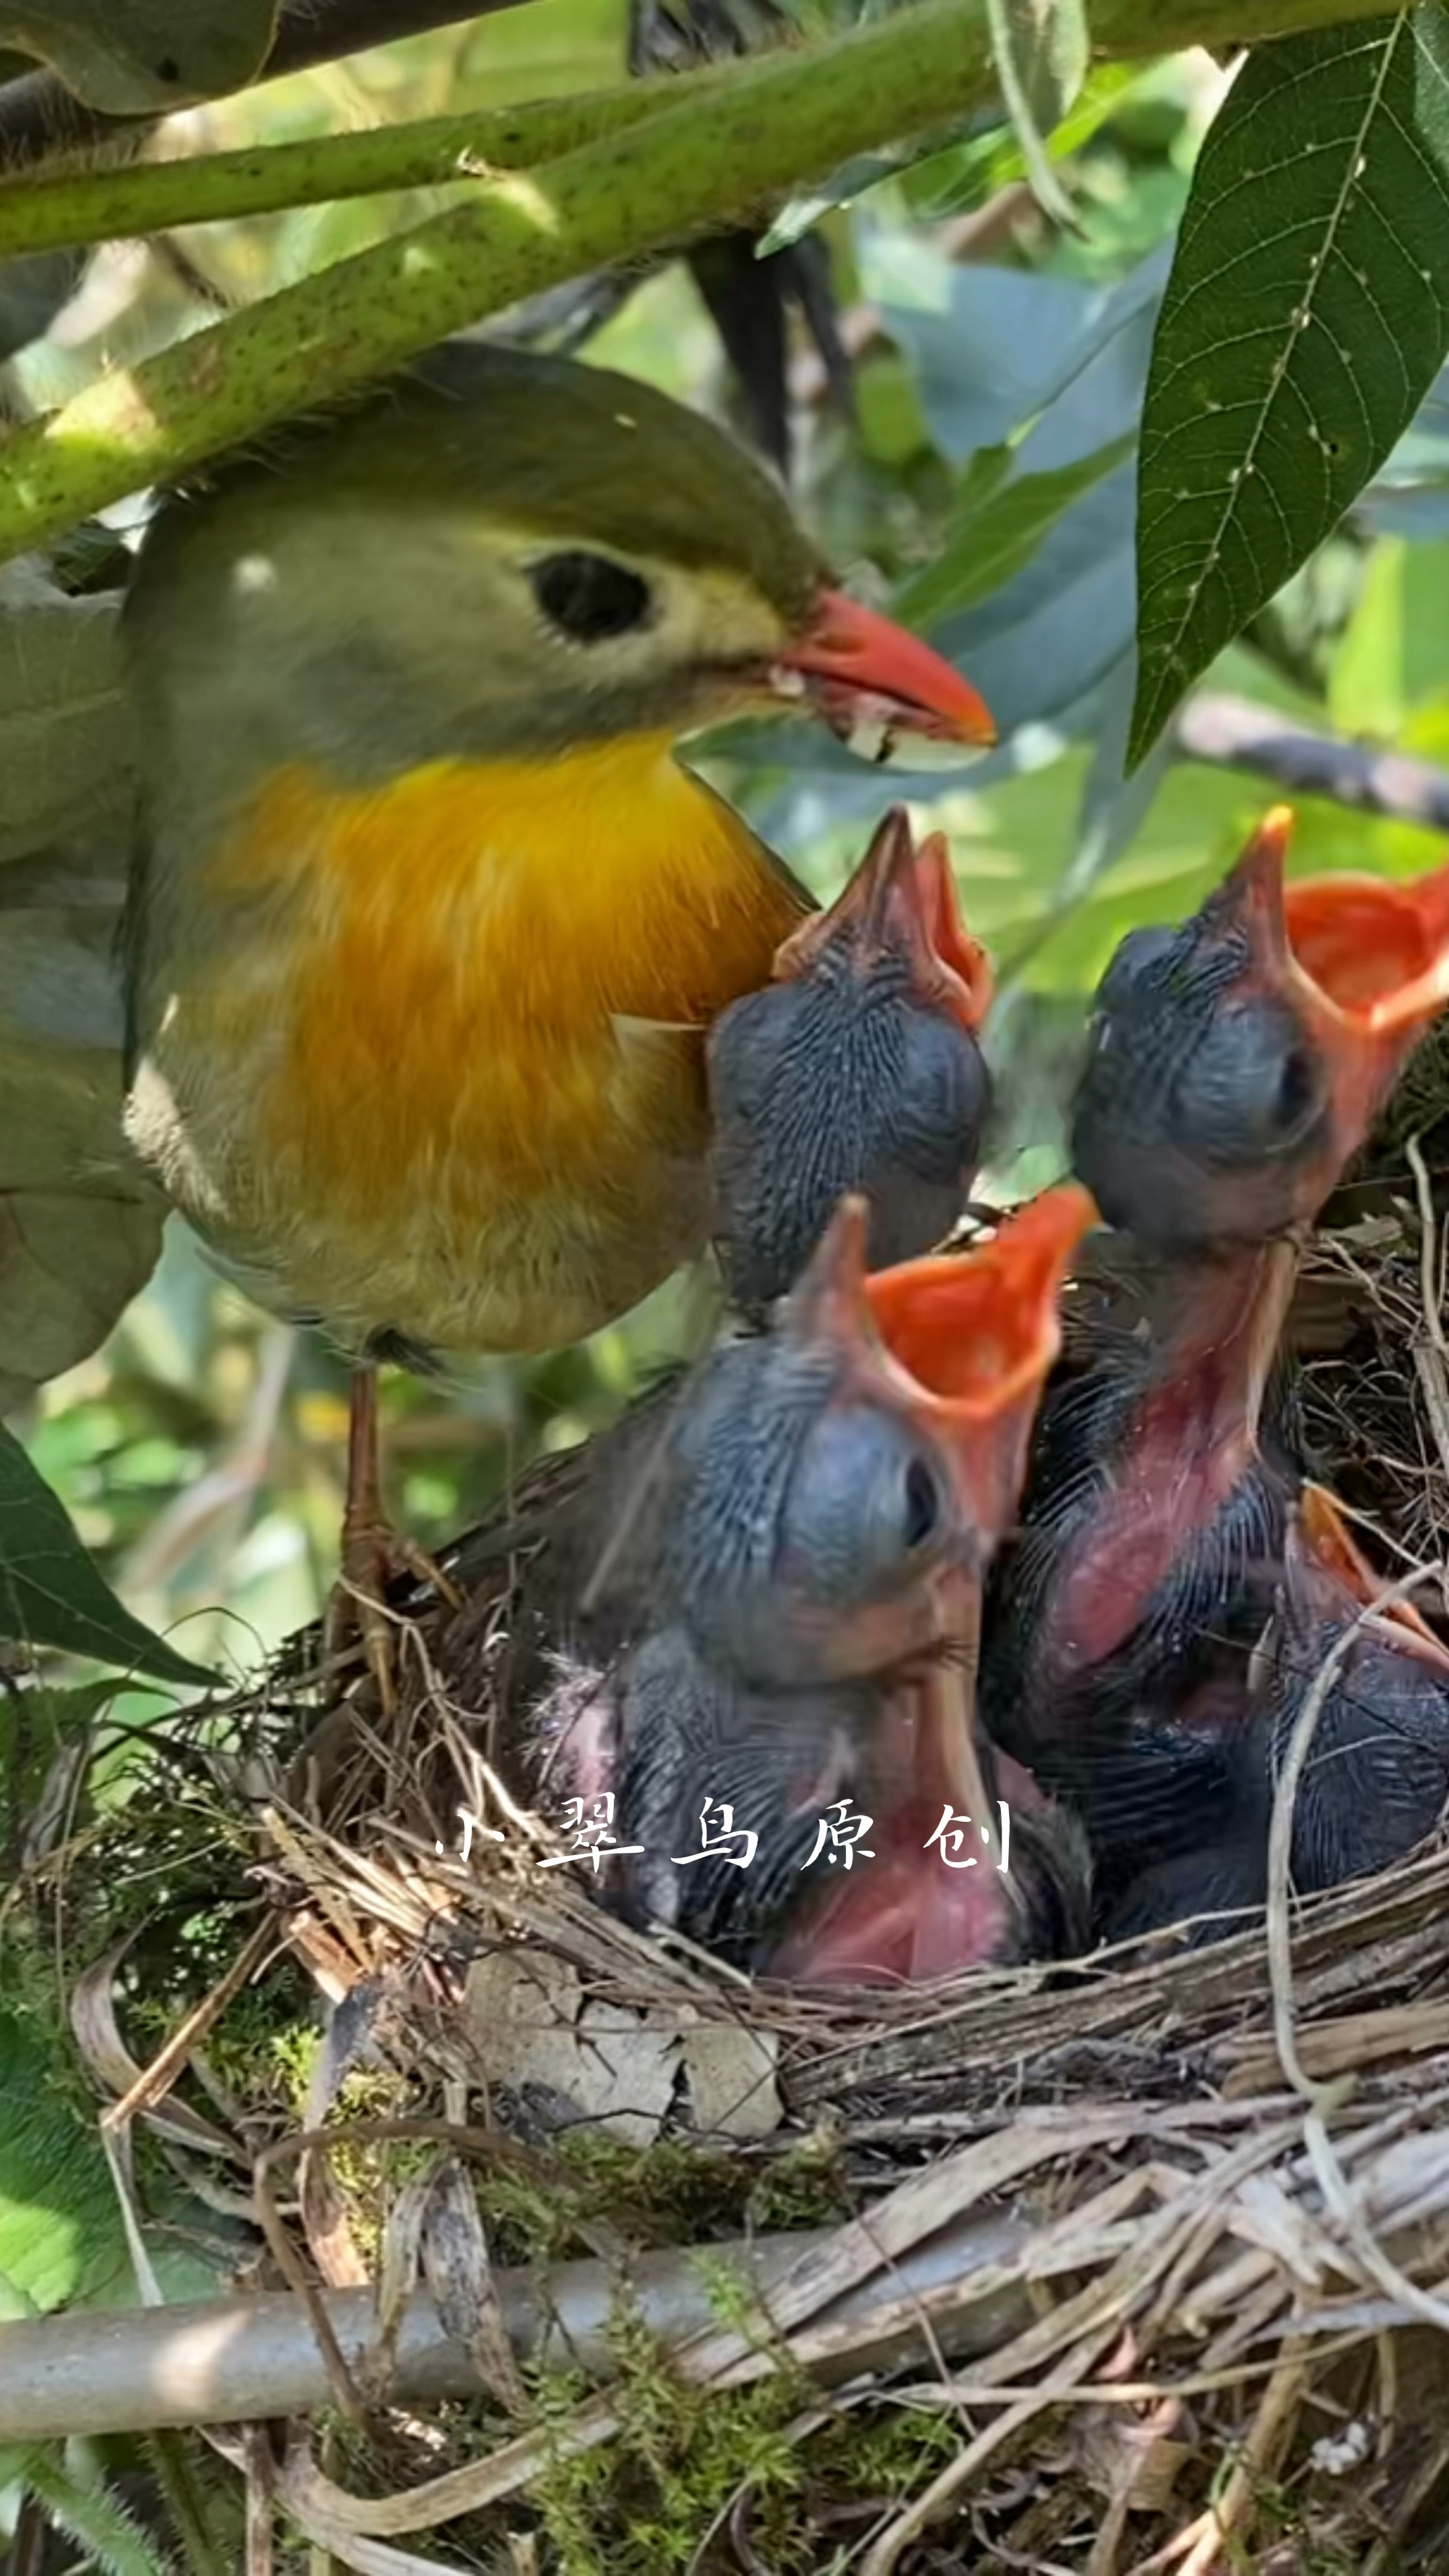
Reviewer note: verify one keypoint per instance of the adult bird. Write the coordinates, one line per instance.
(427, 921)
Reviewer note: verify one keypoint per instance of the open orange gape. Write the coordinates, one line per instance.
(1365, 959)
(971, 1338)
(1239, 1060)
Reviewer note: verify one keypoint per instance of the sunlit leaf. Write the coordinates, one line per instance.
(1305, 318)
(144, 57)
(61, 2238)
(51, 1591)
(967, 174)
(1394, 652)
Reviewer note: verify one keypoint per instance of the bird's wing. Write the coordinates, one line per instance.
(80, 1225)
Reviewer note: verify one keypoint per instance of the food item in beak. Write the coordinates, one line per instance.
(861, 674)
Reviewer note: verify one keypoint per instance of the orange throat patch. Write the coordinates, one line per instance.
(477, 993)
(467, 939)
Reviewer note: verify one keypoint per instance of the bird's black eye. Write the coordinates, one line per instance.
(589, 598)
(922, 1501)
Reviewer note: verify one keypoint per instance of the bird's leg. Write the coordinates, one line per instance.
(374, 1554)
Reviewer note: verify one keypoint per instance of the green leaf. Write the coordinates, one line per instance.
(966, 174)
(51, 1591)
(994, 531)
(61, 2236)
(1041, 49)
(144, 57)
(1393, 655)
(80, 1225)
(1304, 320)
(65, 730)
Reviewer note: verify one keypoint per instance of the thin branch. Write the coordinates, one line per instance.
(144, 2369)
(105, 205)
(39, 118)
(735, 139)
(1233, 733)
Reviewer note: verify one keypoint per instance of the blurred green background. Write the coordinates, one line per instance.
(985, 485)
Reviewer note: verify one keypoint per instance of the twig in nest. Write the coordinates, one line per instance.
(1270, 2429)
(1431, 1350)
(1320, 2097)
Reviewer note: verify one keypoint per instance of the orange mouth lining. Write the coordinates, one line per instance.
(1379, 952)
(978, 1330)
(960, 956)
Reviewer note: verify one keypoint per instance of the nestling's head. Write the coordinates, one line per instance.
(857, 1069)
(1237, 1062)
(843, 1476)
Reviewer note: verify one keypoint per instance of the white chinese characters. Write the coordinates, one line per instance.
(718, 1848)
(841, 1840)
(593, 1840)
(839, 1837)
(951, 1835)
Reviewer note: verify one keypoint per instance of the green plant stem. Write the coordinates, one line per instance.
(714, 157)
(172, 2457)
(107, 205)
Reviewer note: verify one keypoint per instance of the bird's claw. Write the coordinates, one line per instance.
(374, 1557)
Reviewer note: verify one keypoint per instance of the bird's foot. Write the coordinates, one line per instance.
(374, 1557)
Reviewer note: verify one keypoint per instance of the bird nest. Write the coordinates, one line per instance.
(598, 2255)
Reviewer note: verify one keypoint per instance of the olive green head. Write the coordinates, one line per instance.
(498, 554)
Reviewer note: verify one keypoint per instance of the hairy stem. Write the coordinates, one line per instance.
(104, 205)
(732, 141)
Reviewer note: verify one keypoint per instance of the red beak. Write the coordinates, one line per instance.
(861, 671)
(903, 900)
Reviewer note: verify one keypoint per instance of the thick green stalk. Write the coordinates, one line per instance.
(109, 205)
(711, 159)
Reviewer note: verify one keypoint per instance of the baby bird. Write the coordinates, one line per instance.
(1236, 1065)
(834, 1492)
(1237, 1062)
(858, 1068)
(1375, 1779)
(1152, 1538)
